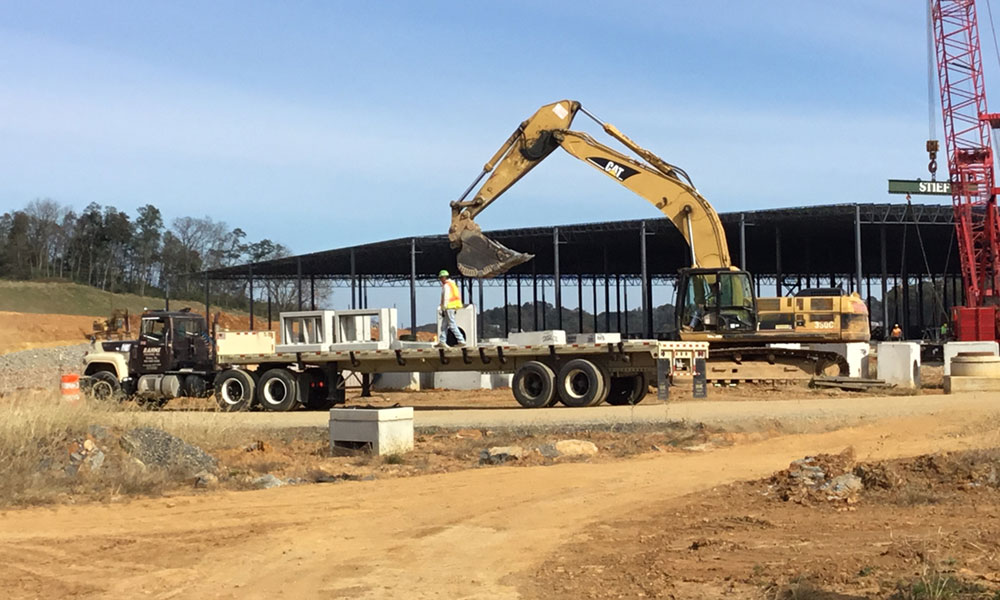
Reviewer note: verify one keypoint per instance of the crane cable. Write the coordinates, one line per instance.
(931, 76)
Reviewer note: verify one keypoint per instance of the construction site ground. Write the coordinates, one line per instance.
(697, 521)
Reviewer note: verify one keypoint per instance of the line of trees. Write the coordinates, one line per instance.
(107, 248)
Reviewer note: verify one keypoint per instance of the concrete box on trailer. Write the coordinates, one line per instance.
(899, 363)
(952, 349)
(550, 337)
(385, 430)
(856, 354)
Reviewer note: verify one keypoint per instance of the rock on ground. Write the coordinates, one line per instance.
(155, 447)
(576, 448)
(498, 455)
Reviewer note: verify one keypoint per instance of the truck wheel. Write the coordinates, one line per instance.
(106, 387)
(534, 385)
(580, 383)
(628, 390)
(278, 390)
(234, 390)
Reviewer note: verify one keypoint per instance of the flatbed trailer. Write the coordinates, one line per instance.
(308, 369)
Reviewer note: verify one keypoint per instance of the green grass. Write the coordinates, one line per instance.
(57, 297)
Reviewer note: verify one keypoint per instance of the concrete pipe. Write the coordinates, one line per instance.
(976, 364)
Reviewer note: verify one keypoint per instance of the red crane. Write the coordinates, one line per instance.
(967, 127)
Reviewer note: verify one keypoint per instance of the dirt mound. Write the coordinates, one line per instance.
(917, 525)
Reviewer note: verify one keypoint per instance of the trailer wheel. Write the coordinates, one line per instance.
(234, 390)
(628, 390)
(534, 385)
(278, 390)
(580, 383)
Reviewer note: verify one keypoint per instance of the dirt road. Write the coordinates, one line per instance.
(839, 411)
(471, 534)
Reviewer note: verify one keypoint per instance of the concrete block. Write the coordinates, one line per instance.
(461, 380)
(899, 363)
(397, 381)
(597, 338)
(552, 337)
(955, 385)
(501, 380)
(951, 349)
(786, 346)
(385, 430)
(856, 353)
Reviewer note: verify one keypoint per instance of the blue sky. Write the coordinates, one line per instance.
(325, 124)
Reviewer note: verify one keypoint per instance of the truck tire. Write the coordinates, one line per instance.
(534, 385)
(234, 390)
(580, 383)
(104, 386)
(627, 390)
(278, 390)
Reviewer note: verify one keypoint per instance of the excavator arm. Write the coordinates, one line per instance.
(663, 185)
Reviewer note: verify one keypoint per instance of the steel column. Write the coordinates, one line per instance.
(312, 292)
(647, 313)
(743, 241)
(481, 310)
(208, 319)
(413, 288)
(250, 284)
(506, 308)
(778, 276)
(857, 246)
(557, 291)
(268, 308)
(534, 297)
(520, 325)
(579, 295)
(354, 277)
(298, 279)
(885, 274)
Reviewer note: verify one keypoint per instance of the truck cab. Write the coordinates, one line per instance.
(173, 356)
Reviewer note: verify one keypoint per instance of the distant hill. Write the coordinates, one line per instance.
(57, 297)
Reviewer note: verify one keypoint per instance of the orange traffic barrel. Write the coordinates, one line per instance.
(70, 387)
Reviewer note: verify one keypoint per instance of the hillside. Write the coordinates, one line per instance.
(41, 314)
(73, 299)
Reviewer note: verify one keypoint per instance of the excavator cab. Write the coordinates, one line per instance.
(716, 301)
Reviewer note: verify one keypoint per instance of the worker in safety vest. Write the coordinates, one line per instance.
(897, 334)
(451, 300)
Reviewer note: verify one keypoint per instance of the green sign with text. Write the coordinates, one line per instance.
(907, 186)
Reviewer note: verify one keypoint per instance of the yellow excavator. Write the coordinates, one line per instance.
(715, 300)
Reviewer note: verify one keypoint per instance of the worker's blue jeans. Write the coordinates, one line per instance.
(448, 323)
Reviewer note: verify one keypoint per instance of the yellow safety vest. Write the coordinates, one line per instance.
(452, 298)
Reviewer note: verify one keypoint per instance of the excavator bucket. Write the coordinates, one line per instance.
(482, 257)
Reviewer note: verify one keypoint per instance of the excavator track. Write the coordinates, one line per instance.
(762, 363)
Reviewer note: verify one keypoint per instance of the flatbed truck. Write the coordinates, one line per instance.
(175, 356)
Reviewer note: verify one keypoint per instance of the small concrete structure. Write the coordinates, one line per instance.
(899, 363)
(856, 353)
(397, 381)
(973, 372)
(549, 337)
(383, 430)
(953, 349)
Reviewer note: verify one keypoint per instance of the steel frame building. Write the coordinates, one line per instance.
(855, 246)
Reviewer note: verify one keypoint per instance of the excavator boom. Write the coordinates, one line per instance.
(665, 186)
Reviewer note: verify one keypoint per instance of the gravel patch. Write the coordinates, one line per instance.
(155, 447)
(39, 368)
